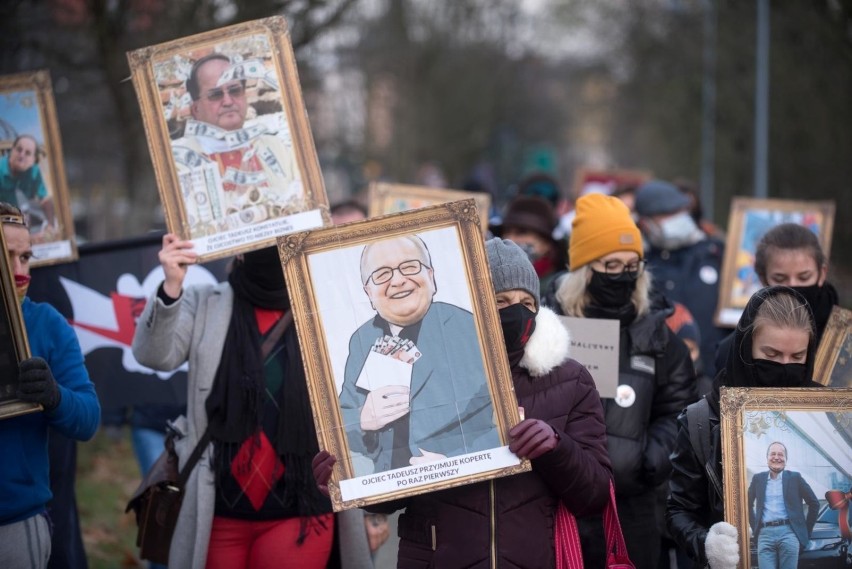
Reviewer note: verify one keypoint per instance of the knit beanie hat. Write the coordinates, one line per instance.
(511, 268)
(531, 213)
(602, 225)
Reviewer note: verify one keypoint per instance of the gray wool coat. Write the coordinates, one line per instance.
(192, 330)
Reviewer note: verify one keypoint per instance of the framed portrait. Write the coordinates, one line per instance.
(13, 342)
(32, 173)
(407, 371)
(748, 221)
(603, 181)
(833, 365)
(228, 133)
(392, 198)
(795, 443)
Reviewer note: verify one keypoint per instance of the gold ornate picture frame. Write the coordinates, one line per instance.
(454, 371)
(13, 342)
(387, 198)
(815, 428)
(32, 171)
(748, 221)
(833, 364)
(229, 137)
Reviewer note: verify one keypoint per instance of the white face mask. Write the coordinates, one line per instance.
(673, 232)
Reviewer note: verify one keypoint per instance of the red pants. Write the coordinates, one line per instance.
(241, 544)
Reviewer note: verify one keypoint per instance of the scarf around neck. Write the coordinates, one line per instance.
(236, 401)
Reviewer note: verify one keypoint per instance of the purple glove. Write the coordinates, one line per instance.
(322, 465)
(532, 438)
(36, 384)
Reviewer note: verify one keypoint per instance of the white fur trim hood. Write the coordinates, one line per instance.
(548, 346)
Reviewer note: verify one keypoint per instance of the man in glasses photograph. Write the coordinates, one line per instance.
(233, 171)
(414, 388)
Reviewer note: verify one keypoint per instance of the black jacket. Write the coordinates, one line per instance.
(690, 275)
(694, 504)
(657, 366)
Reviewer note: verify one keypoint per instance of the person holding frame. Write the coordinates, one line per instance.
(774, 346)
(510, 520)
(790, 255)
(55, 378)
(251, 500)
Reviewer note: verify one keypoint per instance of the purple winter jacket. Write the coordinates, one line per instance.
(508, 522)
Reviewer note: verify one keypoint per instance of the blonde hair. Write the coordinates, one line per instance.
(784, 310)
(573, 296)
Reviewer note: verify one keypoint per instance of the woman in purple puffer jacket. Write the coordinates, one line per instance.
(509, 522)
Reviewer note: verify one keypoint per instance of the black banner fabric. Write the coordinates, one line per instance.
(102, 296)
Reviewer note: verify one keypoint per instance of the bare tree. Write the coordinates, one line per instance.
(84, 44)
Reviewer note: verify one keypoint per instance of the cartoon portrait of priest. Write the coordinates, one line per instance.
(414, 387)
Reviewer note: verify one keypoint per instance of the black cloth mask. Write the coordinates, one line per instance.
(259, 279)
(518, 323)
(612, 291)
(775, 374)
(821, 299)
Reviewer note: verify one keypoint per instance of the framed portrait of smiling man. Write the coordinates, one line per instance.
(787, 458)
(32, 173)
(229, 137)
(402, 346)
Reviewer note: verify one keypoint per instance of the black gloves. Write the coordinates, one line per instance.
(36, 384)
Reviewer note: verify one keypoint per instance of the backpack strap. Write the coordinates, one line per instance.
(698, 420)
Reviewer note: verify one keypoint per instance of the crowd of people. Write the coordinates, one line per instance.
(259, 495)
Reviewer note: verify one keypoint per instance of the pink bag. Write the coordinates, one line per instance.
(569, 555)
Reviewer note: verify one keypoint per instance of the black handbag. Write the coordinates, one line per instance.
(158, 498)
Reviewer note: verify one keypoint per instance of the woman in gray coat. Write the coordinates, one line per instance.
(250, 502)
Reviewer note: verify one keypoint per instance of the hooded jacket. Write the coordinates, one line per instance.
(508, 522)
(694, 504)
(822, 311)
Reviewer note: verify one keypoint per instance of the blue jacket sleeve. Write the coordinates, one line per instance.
(79, 412)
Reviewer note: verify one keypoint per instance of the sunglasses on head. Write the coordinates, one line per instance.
(218, 93)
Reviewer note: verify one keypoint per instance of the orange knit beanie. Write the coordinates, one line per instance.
(602, 225)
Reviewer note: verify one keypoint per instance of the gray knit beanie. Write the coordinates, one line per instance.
(511, 268)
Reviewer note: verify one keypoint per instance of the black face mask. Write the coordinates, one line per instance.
(773, 374)
(812, 293)
(612, 291)
(518, 323)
